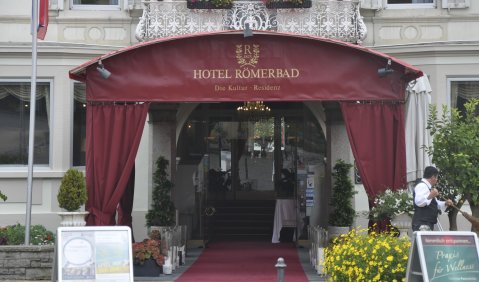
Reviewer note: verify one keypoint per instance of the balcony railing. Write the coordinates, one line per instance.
(331, 19)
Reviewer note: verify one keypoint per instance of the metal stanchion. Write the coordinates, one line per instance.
(280, 265)
(439, 226)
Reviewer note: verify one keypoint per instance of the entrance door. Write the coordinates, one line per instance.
(247, 164)
(242, 160)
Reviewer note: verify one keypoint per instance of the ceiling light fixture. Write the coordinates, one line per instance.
(253, 110)
(253, 107)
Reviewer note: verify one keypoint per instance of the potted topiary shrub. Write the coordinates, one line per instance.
(71, 196)
(162, 211)
(342, 216)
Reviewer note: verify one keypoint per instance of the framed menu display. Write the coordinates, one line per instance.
(443, 256)
(94, 253)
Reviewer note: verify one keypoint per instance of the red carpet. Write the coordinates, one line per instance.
(244, 261)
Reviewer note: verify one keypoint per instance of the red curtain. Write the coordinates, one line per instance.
(125, 207)
(112, 139)
(376, 134)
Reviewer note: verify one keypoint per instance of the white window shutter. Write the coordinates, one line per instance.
(456, 4)
(372, 4)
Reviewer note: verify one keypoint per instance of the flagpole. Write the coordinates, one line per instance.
(31, 134)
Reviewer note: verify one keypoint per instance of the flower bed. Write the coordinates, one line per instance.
(146, 250)
(20, 262)
(15, 235)
(359, 256)
(217, 4)
(288, 4)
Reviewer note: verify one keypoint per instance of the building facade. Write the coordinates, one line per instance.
(437, 36)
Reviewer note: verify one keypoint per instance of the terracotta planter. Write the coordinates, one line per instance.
(288, 5)
(205, 5)
(148, 269)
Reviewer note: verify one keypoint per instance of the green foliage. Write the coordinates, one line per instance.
(15, 235)
(72, 193)
(343, 191)
(292, 1)
(221, 3)
(216, 3)
(3, 196)
(455, 148)
(264, 129)
(390, 203)
(162, 211)
(359, 256)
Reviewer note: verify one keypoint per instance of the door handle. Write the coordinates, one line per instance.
(210, 211)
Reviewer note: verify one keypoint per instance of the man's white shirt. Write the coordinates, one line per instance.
(422, 191)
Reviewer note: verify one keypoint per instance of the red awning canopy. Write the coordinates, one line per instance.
(225, 66)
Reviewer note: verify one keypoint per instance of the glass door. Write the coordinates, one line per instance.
(275, 157)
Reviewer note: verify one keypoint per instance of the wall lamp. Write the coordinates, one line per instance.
(102, 70)
(382, 72)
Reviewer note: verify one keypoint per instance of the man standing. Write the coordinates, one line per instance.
(426, 206)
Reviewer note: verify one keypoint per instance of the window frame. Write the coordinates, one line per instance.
(72, 131)
(40, 167)
(449, 82)
(86, 7)
(411, 5)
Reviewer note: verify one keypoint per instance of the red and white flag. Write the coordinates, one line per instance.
(42, 19)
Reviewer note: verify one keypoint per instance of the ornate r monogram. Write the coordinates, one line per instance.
(247, 55)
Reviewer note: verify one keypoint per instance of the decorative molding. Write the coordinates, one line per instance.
(411, 32)
(432, 32)
(97, 33)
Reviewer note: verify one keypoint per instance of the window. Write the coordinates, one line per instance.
(15, 122)
(410, 1)
(95, 4)
(463, 90)
(409, 4)
(79, 124)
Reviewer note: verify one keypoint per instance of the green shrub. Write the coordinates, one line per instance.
(343, 191)
(39, 235)
(162, 211)
(72, 194)
(15, 235)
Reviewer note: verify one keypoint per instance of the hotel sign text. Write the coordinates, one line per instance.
(247, 57)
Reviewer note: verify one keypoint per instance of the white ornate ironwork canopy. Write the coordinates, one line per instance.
(331, 19)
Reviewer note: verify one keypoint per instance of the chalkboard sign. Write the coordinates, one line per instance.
(443, 256)
(94, 253)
